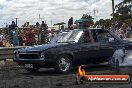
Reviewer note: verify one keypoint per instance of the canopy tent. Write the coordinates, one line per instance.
(84, 23)
(83, 20)
(61, 23)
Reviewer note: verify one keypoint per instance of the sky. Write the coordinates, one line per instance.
(52, 11)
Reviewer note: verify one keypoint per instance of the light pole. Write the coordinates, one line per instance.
(113, 9)
(16, 21)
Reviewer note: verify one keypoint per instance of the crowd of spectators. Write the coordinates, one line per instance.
(27, 35)
(123, 30)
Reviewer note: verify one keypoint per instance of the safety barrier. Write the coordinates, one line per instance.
(8, 52)
(6, 58)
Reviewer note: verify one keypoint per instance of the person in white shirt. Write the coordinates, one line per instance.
(122, 32)
(1, 39)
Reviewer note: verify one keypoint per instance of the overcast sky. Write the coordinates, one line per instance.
(52, 11)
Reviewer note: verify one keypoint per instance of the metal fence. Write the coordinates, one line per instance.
(6, 57)
(8, 53)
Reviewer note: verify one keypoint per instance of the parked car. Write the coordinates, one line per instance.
(77, 47)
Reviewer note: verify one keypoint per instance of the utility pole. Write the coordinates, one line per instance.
(16, 21)
(113, 9)
(45, 21)
(39, 16)
(94, 13)
(51, 22)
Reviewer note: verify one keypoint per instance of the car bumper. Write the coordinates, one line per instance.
(24, 61)
(37, 62)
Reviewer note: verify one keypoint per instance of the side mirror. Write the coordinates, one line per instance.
(111, 39)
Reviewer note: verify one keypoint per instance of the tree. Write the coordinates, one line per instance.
(87, 18)
(124, 11)
(104, 23)
(85, 22)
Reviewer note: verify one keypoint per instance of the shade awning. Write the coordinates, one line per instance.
(83, 20)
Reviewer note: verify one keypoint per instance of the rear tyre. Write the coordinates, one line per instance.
(63, 64)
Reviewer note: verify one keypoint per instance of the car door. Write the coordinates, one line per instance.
(92, 53)
(108, 44)
(79, 54)
(86, 51)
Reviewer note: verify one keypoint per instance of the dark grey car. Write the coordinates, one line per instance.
(77, 47)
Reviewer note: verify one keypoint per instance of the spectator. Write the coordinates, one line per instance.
(44, 25)
(15, 38)
(44, 36)
(52, 34)
(129, 32)
(27, 24)
(62, 28)
(43, 33)
(30, 38)
(20, 38)
(7, 43)
(70, 22)
(37, 24)
(1, 39)
(36, 36)
(12, 26)
(122, 31)
(118, 25)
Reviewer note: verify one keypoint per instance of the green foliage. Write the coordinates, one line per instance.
(124, 11)
(87, 18)
(105, 23)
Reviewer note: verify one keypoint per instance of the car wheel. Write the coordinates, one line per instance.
(35, 69)
(63, 64)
